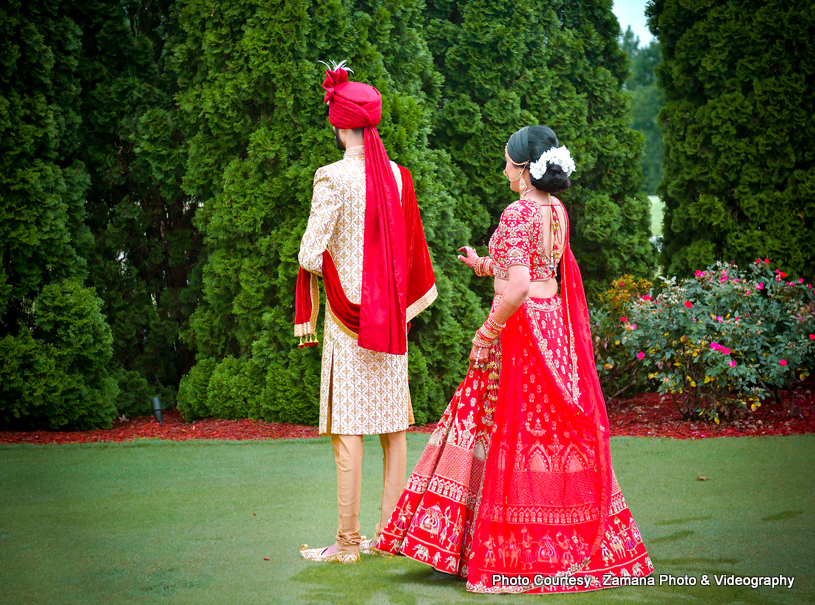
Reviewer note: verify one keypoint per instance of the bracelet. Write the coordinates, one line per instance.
(491, 328)
(486, 334)
(481, 340)
(484, 266)
(494, 325)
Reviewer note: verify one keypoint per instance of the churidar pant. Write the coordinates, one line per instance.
(348, 456)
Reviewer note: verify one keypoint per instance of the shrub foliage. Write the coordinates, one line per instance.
(555, 63)
(724, 338)
(55, 346)
(251, 97)
(738, 129)
(156, 163)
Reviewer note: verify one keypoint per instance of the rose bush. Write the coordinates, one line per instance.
(619, 372)
(722, 339)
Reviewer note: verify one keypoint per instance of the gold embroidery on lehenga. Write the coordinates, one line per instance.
(543, 344)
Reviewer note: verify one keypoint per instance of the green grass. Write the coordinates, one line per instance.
(164, 522)
(657, 208)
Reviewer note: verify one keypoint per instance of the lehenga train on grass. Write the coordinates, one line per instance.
(515, 491)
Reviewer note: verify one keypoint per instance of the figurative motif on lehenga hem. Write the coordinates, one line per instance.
(622, 555)
(435, 520)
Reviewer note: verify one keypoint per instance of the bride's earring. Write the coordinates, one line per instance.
(522, 186)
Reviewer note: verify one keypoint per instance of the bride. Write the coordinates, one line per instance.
(515, 491)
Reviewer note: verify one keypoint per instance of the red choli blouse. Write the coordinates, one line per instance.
(518, 240)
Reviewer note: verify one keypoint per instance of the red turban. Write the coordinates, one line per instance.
(383, 312)
(351, 104)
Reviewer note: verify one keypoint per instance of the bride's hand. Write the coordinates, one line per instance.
(471, 257)
(478, 357)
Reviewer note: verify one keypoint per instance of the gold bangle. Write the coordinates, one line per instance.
(483, 266)
(494, 325)
(479, 266)
(480, 342)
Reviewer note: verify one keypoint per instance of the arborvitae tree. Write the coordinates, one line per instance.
(646, 101)
(256, 131)
(548, 62)
(739, 84)
(55, 345)
(144, 244)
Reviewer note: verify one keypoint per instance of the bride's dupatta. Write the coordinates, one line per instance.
(545, 499)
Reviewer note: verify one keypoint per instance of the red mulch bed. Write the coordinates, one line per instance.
(646, 416)
(641, 416)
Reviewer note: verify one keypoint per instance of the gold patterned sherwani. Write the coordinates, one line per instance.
(362, 392)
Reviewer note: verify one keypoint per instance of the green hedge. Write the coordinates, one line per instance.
(56, 373)
(739, 172)
(725, 338)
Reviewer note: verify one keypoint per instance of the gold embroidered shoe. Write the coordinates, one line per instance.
(316, 554)
(368, 547)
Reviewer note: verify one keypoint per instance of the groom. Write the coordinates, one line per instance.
(364, 237)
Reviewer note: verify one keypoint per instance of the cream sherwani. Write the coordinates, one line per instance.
(362, 392)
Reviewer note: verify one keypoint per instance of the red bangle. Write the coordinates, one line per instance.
(483, 266)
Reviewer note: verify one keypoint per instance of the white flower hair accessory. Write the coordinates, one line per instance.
(556, 155)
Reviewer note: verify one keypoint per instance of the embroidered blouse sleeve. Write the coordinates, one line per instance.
(325, 208)
(514, 231)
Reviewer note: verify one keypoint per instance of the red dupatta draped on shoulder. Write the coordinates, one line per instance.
(420, 287)
(545, 499)
(385, 306)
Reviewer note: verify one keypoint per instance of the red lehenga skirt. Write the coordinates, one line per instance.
(506, 494)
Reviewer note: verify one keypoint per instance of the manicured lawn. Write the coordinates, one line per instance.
(657, 207)
(191, 522)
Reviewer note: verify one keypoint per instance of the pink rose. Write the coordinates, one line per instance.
(647, 297)
(747, 292)
(783, 362)
(760, 287)
(812, 336)
(732, 364)
(623, 319)
(689, 304)
(640, 355)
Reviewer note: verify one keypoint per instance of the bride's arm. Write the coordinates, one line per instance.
(514, 296)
